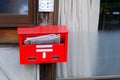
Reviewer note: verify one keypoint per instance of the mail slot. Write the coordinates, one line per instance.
(46, 52)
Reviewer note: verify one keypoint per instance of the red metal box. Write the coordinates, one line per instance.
(43, 53)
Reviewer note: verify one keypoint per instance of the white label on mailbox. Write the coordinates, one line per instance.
(44, 46)
(44, 55)
(44, 50)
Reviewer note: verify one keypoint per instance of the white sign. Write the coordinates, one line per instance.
(46, 5)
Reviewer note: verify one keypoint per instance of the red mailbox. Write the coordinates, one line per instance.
(43, 53)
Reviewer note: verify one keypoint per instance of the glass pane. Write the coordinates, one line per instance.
(13, 6)
(110, 15)
(108, 56)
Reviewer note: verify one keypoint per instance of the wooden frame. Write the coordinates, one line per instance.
(56, 10)
(19, 20)
(8, 35)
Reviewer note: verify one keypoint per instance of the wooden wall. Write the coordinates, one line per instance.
(8, 35)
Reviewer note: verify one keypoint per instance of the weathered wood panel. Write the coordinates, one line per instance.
(8, 35)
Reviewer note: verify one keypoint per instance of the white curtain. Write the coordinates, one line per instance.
(81, 18)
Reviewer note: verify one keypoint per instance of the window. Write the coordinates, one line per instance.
(109, 41)
(109, 15)
(15, 13)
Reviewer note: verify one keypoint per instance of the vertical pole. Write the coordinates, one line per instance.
(48, 71)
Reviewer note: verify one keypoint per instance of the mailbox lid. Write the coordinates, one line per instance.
(42, 30)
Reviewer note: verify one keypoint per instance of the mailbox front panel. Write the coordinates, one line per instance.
(32, 54)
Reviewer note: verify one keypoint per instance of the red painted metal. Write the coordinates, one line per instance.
(46, 53)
